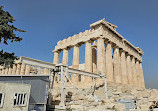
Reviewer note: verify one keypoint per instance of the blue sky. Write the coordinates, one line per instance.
(48, 21)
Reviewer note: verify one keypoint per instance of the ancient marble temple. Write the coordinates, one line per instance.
(106, 52)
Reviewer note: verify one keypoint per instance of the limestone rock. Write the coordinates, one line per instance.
(119, 107)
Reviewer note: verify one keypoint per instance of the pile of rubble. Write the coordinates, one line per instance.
(119, 99)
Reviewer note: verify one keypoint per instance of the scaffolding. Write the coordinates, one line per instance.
(63, 70)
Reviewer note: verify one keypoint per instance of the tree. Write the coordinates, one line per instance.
(7, 59)
(7, 32)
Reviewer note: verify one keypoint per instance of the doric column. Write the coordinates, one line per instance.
(117, 71)
(138, 74)
(129, 70)
(123, 68)
(56, 57)
(101, 56)
(3, 71)
(18, 68)
(14, 69)
(27, 70)
(88, 60)
(141, 75)
(134, 72)
(10, 71)
(88, 57)
(22, 71)
(6, 70)
(94, 57)
(46, 71)
(75, 63)
(65, 56)
(109, 64)
(56, 61)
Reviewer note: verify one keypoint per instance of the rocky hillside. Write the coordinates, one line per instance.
(120, 98)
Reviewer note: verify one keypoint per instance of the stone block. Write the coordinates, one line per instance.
(119, 107)
(144, 107)
(76, 106)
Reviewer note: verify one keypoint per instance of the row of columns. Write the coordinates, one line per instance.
(119, 66)
(20, 69)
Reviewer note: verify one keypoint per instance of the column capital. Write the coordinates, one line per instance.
(121, 50)
(94, 44)
(89, 41)
(67, 48)
(107, 41)
(57, 51)
(115, 46)
(77, 45)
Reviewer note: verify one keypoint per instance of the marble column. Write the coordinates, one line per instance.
(101, 56)
(117, 71)
(88, 60)
(138, 74)
(14, 69)
(6, 70)
(27, 70)
(22, 71)
(109, 63)
(56, 57)
(129, 70)
(75, 64)
(46, 71)
(88, 57)
(65, 56)
(123, 68)
(141, 75)
(94, 58)
(134, 72)
(56, 61)
(10, 71)
(18, 68)
(3, 71)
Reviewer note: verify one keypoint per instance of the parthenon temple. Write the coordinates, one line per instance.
(106, 52)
